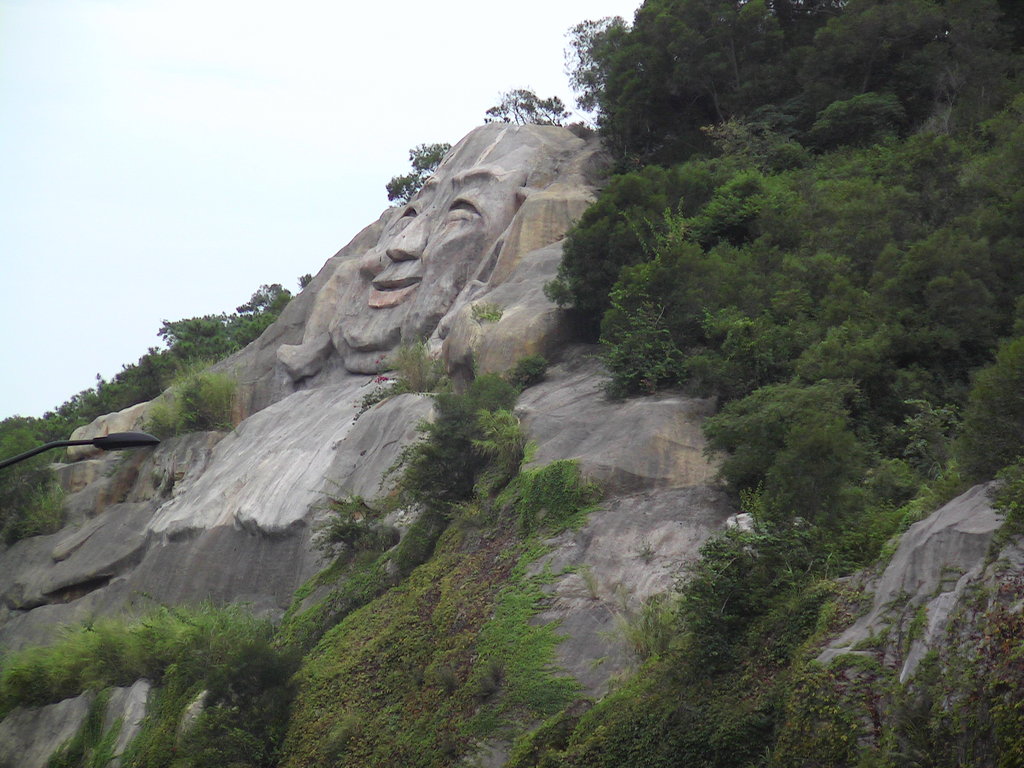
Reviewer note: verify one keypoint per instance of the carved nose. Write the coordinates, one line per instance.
(409, 243)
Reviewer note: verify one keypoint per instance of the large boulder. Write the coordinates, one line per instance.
(625, 445)
(936, 561)
(128, 420)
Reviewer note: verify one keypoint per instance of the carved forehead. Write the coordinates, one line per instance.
(477, 178)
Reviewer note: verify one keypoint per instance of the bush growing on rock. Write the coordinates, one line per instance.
(442, 469)
(200, 400)
(528, 371)
(30, 499)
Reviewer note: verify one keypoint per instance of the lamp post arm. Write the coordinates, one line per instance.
(113, 442)
(40, 449)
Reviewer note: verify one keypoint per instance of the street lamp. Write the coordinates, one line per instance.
(113, 442)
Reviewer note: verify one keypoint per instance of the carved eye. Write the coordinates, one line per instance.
(463, 210)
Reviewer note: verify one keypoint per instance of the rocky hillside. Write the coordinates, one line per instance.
(230, 517)
(476, 572)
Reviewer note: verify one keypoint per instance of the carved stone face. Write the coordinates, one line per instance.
(409, 276)
(425, 257)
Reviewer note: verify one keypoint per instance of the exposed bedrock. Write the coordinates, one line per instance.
(936, 561)
(628, 445)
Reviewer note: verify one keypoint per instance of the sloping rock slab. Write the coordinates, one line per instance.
(632, 548)
(626, 446)
(374, 444)
(78, 561)
(935, 561)
(29, 735)
(271, 469)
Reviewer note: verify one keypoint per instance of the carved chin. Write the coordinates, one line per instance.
(383, 299)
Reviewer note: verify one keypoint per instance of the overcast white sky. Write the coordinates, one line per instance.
(162, 159)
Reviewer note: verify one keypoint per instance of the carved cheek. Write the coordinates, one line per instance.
(455, 247)
(372, 263)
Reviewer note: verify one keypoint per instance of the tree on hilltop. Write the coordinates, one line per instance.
(424, 159)
(523, 107)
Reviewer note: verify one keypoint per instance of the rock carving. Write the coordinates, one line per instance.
(443, 249)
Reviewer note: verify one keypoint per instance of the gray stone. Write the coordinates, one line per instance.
(631, 549)
(127, 705)
(377, 438)
(128, 420)
(529, 324)
(626, 446)
(937, 558)
(30, 735)
(79, 561)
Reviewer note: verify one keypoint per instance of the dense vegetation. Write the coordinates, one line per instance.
(818, 220)
(835, 257)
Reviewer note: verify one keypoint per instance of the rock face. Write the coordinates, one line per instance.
(936, 561)
(230, 517)
(627, 446)
(632, 549)
(484, 229)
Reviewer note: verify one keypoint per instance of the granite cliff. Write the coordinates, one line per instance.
(231, 517)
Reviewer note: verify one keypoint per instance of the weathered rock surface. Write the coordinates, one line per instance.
(936, 560)
(29, 735)
(631, 549)
(209, 516)
(128, 420)
(503, 194)
(127, 706)
(230, 517)
(642, 443)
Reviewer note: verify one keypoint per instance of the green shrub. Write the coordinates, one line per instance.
(503, 442)
(206, 401)
(441, 470)
(162, 419)
(652, 629)
(417, 370)
(119, 651)
(528, 371)
(1009, 498)
(614, 231)
(638, 347)
(864, 119)
(200, 400)
(487, 312)
(225, 651)
(30, 498)
(352, 527)
(42, 511)
(798, 443)
(550, 498)
(246, 711)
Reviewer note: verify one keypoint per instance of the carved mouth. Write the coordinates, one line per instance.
(395, 283)
(387, 296)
